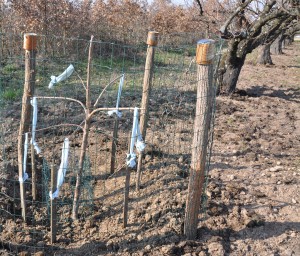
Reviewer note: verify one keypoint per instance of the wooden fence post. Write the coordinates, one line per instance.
(30, 42)
(53, 214)
(204, 107)
(152, 42)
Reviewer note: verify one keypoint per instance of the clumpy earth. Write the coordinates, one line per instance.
(252, 204)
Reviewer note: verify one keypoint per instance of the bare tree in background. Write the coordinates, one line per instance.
(250, 25)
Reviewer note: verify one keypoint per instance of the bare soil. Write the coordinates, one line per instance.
(253, 191)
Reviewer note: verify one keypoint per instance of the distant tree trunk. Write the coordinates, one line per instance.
(288, 40)
(265, 55)
(276, 47)
(234, 61)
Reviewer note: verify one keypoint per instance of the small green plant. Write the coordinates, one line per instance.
(9, 68)
(11, 94)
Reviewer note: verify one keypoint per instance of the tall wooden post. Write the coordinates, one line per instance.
(114, 146)
(204, 107)
(53, 214)
(152, 42)
(30, 42)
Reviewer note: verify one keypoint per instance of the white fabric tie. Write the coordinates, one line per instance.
(116, 111)
(63, 76)
(136, 139)
(24, 174)
(34, 121)
(62, 169)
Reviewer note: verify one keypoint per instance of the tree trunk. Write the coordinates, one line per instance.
(276, 47)
(80, 170)
(288, 41)
(231, 75)
(265, 55)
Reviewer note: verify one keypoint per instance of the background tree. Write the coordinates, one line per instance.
(251, 24)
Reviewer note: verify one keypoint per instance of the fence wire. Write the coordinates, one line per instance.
(160, 202)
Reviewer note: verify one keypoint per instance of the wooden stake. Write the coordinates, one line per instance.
(126, 197)
(205, 97)
(29, 86)
(53, 204)
(114, 146)
(152, 42)
(126, 190)
(85, 135)
(33, 173)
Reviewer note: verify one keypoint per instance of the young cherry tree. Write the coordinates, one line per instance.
(89, 110)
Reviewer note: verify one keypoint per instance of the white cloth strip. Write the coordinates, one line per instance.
(62, 169)
(34, 121)
(116, 111)
(63, 76)
(24, 176)
(136, 139)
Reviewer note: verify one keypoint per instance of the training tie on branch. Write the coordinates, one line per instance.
(63, 76)
(116, 111)
(24, 175)
(136, 139)
(62, 169)
(34, 121)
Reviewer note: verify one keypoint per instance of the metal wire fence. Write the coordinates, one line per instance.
(160, 202)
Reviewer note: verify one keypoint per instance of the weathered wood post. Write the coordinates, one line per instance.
(53, 213)
(30, 43)
(33, 173)
(114, 145)
(204, 107)
(126, 197)
(149, 65)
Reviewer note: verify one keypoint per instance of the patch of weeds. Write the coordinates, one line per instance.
(11, 94)
(9, 68)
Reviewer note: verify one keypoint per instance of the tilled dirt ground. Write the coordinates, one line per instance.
(253, 193)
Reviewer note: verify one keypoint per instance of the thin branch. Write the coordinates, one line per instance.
(223, 29)
(117, 171)
(200, 6)
(4, 194)
(62, 98)
(82, 83)
(7, 212)
(110, 83)
(88, 80)
(59, 125)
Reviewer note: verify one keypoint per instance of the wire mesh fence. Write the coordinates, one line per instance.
(159, 204)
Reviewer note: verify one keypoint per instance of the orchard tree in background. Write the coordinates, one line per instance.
(249, 24)
(286, 31)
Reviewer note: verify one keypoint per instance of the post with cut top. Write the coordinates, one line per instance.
(152, 41)
(204, 108)
(30, 45)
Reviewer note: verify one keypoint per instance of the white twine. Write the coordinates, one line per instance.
(116, 111)
(24, 176)
(62, 169)
(34, 121)
(63, 76)
(136, 139)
